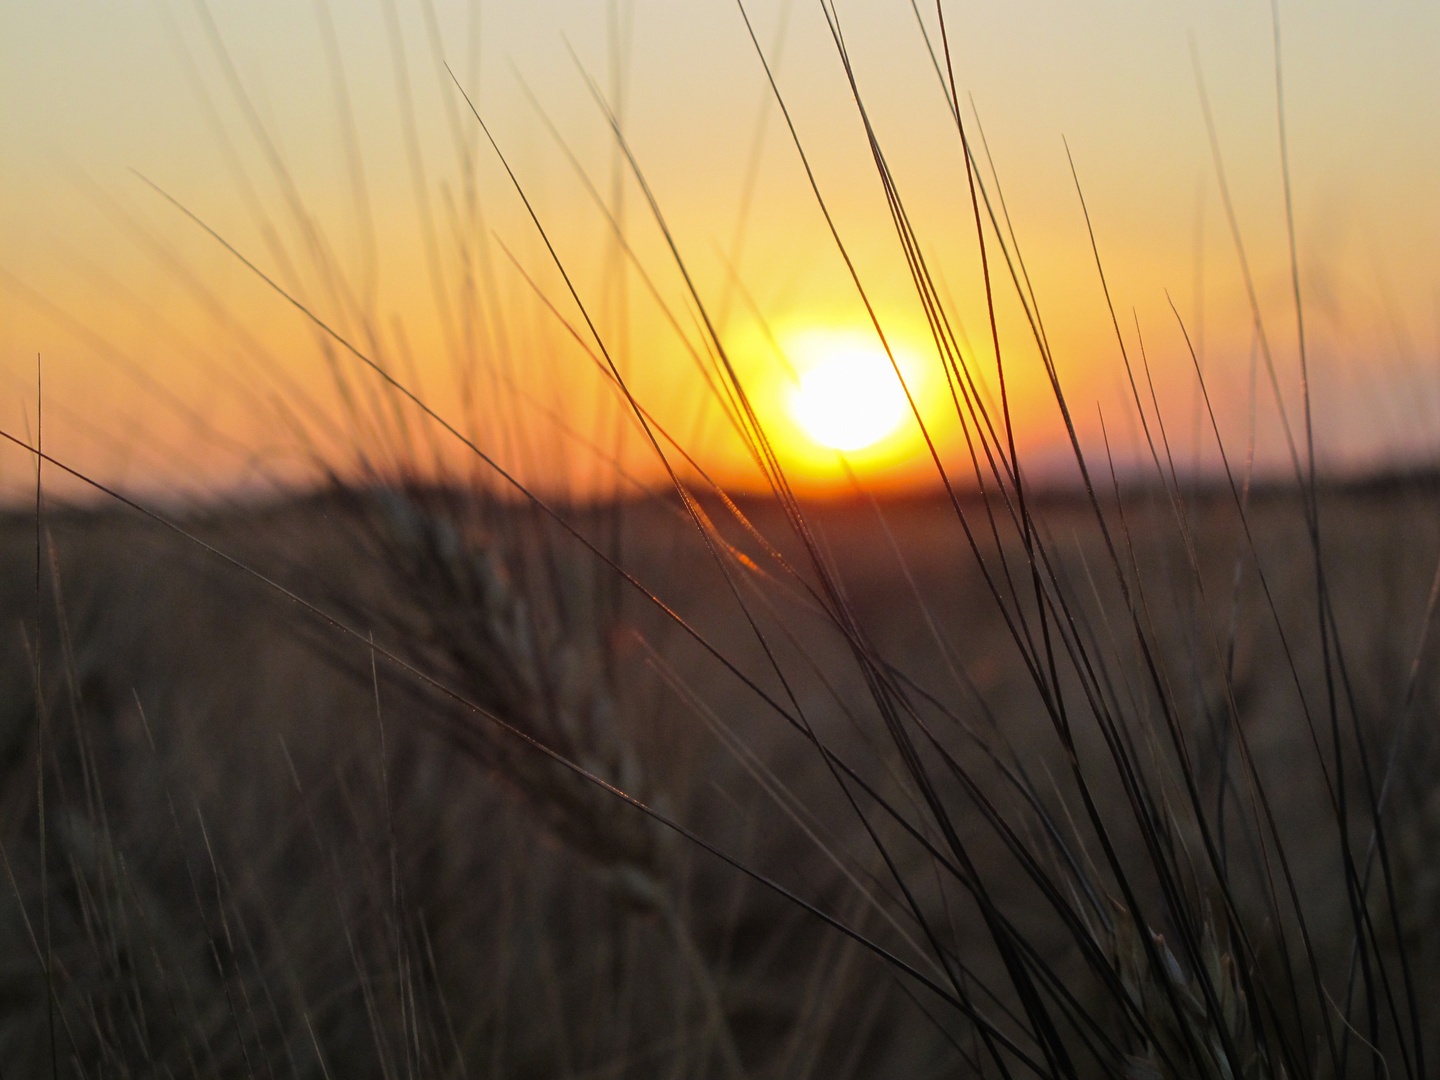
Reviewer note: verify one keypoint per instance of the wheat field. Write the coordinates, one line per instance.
(496, 744)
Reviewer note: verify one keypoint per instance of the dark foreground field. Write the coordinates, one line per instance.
(262, 849)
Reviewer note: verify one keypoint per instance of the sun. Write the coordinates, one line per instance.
(849, 400)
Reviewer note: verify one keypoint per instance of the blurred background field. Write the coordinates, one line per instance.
(242, 882)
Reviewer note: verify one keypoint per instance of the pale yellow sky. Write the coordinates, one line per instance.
(170, 366)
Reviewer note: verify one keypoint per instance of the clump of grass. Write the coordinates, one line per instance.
(534, 658)
(1177, 1017)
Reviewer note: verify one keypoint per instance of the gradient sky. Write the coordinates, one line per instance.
(169, 365)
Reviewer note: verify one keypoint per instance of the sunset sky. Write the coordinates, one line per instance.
(292, 130)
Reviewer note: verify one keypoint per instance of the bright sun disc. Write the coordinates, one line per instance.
(849, 401)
